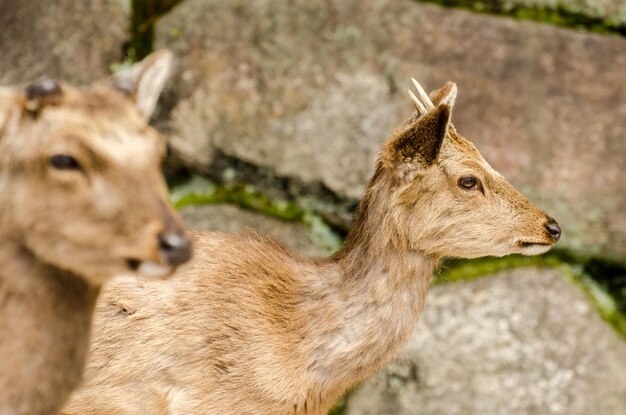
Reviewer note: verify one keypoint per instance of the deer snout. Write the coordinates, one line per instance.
(553, 228)
(175, 247)
(165, 245)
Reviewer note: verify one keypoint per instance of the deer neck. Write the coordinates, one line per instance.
(377, 296)
(66, 296)
(45, 323)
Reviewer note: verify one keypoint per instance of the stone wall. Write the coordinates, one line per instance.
(310, 90)
(74, 40)
(291, 101)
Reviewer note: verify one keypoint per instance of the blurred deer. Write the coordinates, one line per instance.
(83, 199)
(250, 327)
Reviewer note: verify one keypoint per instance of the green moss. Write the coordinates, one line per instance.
(454, 270)
(606, 305)
(201, 191)
(561, 15)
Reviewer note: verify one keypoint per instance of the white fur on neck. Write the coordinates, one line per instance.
(384, 303)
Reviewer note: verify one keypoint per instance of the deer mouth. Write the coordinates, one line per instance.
(533, 248)
(526, 244)
(150, 269)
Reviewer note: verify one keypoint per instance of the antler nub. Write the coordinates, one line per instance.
(423, 104)
(418, 105)
(423, 95)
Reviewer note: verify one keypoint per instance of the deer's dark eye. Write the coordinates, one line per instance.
(64, 162)
(470, 183)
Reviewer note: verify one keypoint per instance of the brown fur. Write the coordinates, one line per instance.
(63, 232)
(250, 327)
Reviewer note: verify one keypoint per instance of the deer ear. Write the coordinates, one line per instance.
(144, 81)
(416, 146)
(445, 95)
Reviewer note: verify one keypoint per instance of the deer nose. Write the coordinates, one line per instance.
(553, 229)
(176, 247)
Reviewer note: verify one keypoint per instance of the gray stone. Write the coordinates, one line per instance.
(311, 89)
(229, 218)
(522, 342)
(73, 40)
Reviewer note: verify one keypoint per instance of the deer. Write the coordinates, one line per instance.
(251, 327)
(83, 200)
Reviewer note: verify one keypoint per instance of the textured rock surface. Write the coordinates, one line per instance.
(310, 89)
(229, 218)
(523, 342)
(73, 40)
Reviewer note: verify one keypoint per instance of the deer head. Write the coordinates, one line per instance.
(80, 175)
(465, 208)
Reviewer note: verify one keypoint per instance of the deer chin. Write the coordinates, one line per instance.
(533, 248)
(150, 269)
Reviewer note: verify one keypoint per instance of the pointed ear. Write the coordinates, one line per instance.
(144, 81)
(416, 146)
(445, 95)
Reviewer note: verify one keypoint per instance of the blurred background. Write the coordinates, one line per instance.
(275, 114)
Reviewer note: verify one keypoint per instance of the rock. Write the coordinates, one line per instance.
(313, 98)
(72, 40)
(229, 218)
(523, 342)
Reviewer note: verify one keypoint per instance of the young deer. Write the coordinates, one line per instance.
(82, 200)
(249, 327)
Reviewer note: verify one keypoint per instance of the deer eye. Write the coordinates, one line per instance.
(64, 162)
(470, 183)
